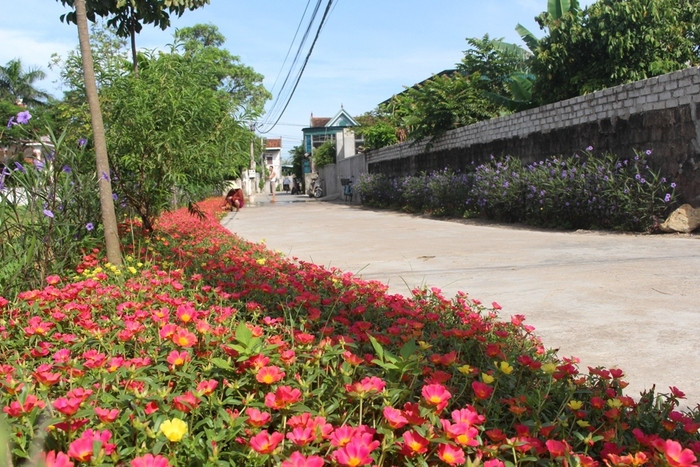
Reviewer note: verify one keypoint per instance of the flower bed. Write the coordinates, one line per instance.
(207, 350)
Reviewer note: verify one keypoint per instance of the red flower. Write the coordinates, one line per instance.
(368, 385)
(265, 443)
(481, 390)
(301, 436)
(186, 402)
(557, 448)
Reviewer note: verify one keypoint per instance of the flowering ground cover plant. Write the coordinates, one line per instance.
(207, 350)
(590, 191)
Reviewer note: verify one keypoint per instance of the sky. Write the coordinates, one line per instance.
(367, 50)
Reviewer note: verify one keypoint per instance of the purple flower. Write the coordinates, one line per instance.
(667, 198)
(82, 142)
(23, 117)
(89, 226)
(589, 148)
(48, 213)
(38, 164)
(11, 122)
(648, 152)
(673, 185)
(20, 167)
(66, 169)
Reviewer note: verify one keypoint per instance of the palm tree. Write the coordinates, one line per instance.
(17, 85)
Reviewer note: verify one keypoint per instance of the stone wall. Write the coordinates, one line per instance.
(661, 114)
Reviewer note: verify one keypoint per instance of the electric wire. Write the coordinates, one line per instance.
(301, 71)
(275, 104)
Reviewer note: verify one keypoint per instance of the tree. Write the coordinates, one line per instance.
(614, 42)
(503, 71)
(172, 133)
(128, 16)
(17, 84)
(439, 104)
(109, 218)
(324, 154)
(241, 82)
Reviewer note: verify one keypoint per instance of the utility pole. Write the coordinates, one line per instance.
(250, 185)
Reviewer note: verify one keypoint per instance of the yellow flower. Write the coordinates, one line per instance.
(132, 270)
(424, 345)
(575, 405)
(616, 403)
(506, 368)
(549, 368)
(261, 261)
(487, 378)
(465, 369)
(174, 429)
(583, 423)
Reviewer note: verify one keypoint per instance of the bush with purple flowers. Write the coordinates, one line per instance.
(49, 211)
(586, 191)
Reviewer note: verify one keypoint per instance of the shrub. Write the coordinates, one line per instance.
(49, 214)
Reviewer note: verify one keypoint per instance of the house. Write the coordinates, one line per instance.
(272, 156)
(338, 129)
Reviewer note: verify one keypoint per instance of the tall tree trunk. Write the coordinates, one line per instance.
(132, 34)
(109, 218)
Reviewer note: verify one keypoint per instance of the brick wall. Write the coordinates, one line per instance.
(661, 114)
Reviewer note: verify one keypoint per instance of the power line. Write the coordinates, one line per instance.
(306, 61)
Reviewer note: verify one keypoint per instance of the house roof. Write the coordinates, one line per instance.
(319, 121)
(273, 143)
(341, 119)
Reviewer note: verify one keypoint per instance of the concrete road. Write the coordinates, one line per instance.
(615, 300)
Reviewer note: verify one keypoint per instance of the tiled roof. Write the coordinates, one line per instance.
(273, 143)
(319, 122)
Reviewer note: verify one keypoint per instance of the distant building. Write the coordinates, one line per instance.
(273, 155)
(337, 129)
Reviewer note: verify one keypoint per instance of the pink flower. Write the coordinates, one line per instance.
(106, 415)
(283, 397)
(265, 443)
(676, 456)
(451, 455)
(67, 406)
(394, 418)
(436, 395)
(269, 374)
(256, 417)
(461, 433)
(149, 460)
(355, 453)
(178, 358)
(207, 387)
(370, 384)
(297, 459)
(301, 436)
(413, 444)
(557, 448)
(56, 459)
